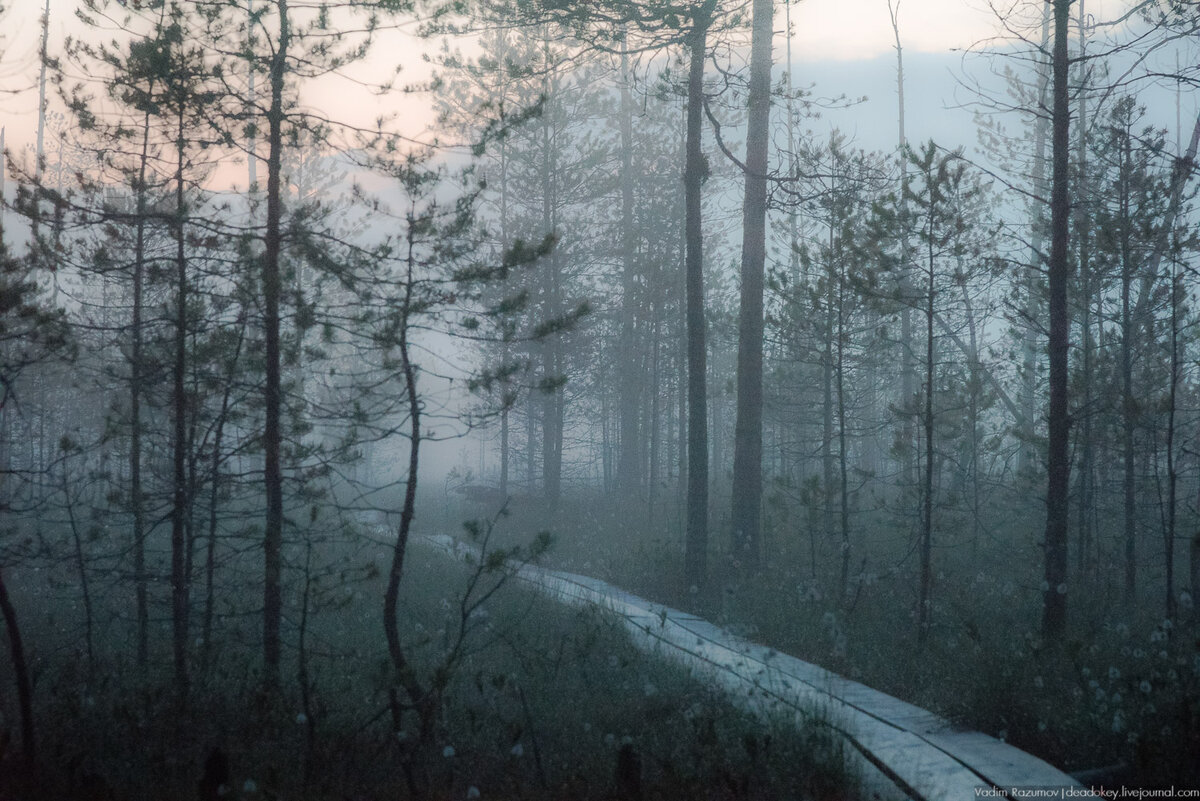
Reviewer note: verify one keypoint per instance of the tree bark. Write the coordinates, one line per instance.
(746, 511)
(1026, 457)
(827, 376)
(908, 370)
(1087, 448)
(179, 575)
(695, 170)
(1054, 594)
(552, 399)
(421, 699)
(655, 411)
(272, 433)
(925, 591)
(40, 147)
(136, 500)
(629, 477)
(1128, 402)
(210, 558)
(843, 462)
(1172, 471)
(531, 442)
(85, 591)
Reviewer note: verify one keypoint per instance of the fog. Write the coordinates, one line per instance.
(599, 406)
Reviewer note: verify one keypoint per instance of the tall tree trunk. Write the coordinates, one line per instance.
(606, 468)
(925, 591)
(1128, 420)
(1128, 402)
(505, 349)
(1172, 470)
(629, 476)
(85, 591)
(746, 511)
(908, 369)
(1087, 447)
(551, 429)
(843, 461)
(679, 421)
(696, 549)
(210, 556)
(827, 376)
(531, 443)
(272, 432)
(552, 418)
(420, 698)
(652, 472)
(40, 146)
(793, 160)
(559, 398)
(1054, 597)
(179, 575)
(1026, 458)
(251, 154)
(136, 496)
(504, 448)
(716, 415)
(974, 370)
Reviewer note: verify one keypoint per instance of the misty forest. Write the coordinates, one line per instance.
(335, 334)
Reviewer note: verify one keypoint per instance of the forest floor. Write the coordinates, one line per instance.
(546, 703)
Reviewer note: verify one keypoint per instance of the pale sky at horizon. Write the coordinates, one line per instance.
(823, 31)
(850, 30)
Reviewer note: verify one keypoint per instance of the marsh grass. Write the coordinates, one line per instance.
(1121, 693)
(549, 702)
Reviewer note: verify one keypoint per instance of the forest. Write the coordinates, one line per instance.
(289, 286)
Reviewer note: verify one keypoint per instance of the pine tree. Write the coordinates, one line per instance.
(746, 511)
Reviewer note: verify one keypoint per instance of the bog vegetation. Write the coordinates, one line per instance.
(925, 416)
(529, 709)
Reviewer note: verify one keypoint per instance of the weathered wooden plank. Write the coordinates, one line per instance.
(1003, 765)
(921, 754)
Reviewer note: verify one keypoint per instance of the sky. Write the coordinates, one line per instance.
(828, 37)
(857, 30)
(837, 47)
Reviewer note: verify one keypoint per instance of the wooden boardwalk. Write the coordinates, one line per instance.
(902, 751)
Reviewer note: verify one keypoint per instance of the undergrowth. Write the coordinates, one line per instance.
(1117, 699)
(549, 703)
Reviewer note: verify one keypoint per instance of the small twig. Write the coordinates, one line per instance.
(533, 740)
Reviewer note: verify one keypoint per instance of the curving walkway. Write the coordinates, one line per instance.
(902, 751)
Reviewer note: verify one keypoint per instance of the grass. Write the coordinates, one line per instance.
(1121, 692)
(549, 702)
